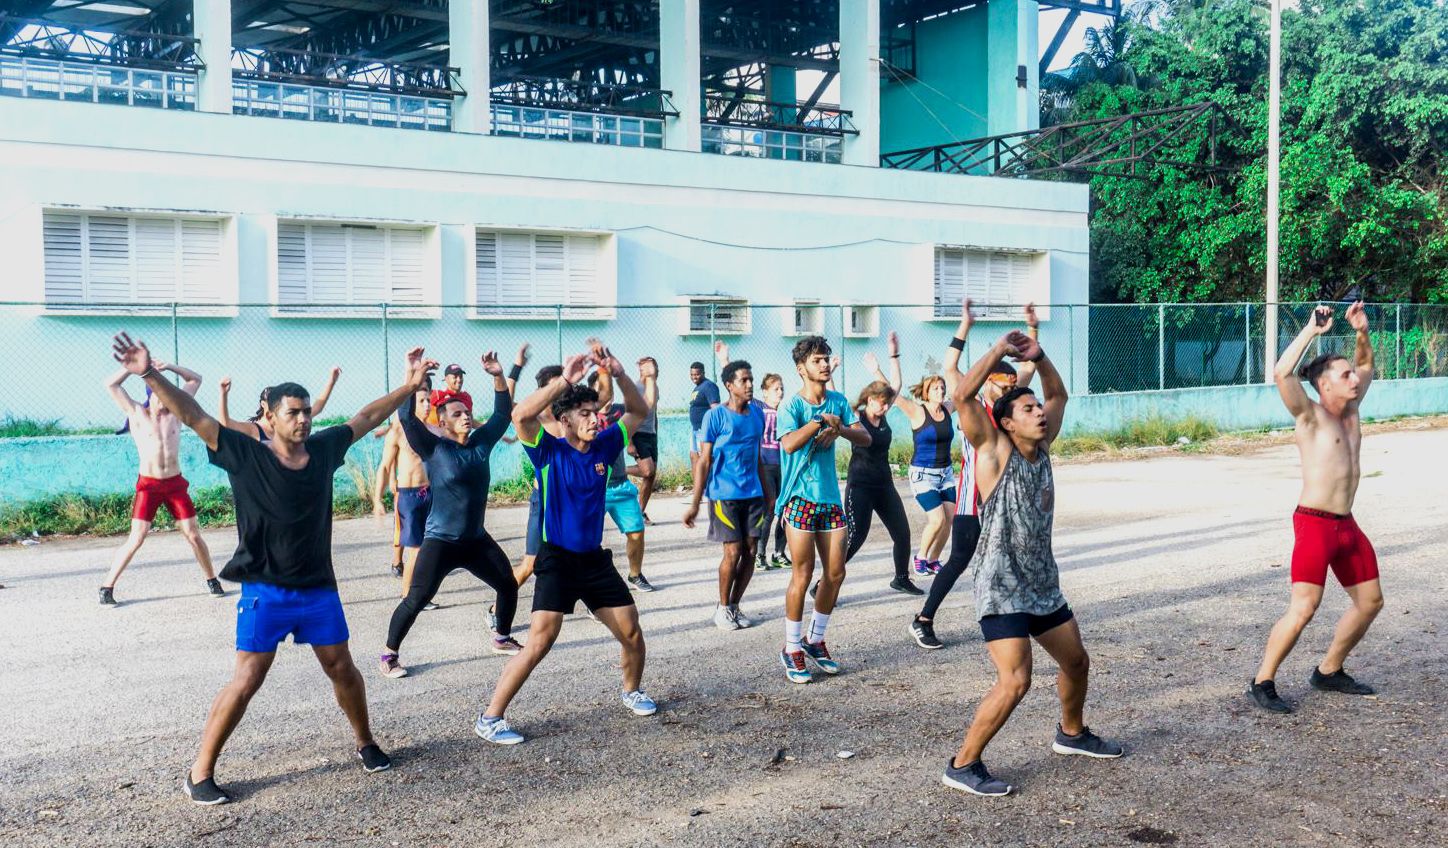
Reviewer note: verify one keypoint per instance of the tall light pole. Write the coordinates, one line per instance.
(1274, 157)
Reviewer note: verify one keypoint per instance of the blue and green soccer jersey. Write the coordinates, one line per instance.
(572, 484)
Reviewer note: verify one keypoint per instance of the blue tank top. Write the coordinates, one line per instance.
(932, 441)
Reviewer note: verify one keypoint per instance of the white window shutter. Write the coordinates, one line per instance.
(200, 261)
(582, 261)
(157, 260)
(108, 251)
(515, 271)
(64, 259)
(292, 262)
(367, 263)
(327, 264)
(407, 266)
(486, 290)
(550, 280)
(949, 280)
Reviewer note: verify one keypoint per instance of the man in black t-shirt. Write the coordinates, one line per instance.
(283, 559)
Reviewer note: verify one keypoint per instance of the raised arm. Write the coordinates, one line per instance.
(136, 359)
(974, 422)
(320, 401)
(190, 380)
(649, 374)
(419, 436)
(519, 363)
(951, 369)
(497, 424)
(1289, 385)
(118, 394)
(1053, 388)
(635, 408)
(525, 414)
(1026, 371)
(374, 413)
(1362, 354)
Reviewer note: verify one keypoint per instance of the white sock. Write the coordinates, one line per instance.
(817, 624)
(791, 636)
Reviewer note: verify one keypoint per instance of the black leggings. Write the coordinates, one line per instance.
(964, 535)
(772, 522)
(860, 502)
(480, 557)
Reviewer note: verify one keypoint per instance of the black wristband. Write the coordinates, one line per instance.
(957, 343)
(515, 372)
(1037, 357)
(150, 372)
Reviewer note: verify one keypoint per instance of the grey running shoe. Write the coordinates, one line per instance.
(1338, 681)
(1085, 744)
(973, 778)
(641, 583)
(214, 587)
(1265, 694)
(397, 569)
(206, 792)
(761, 563)
(108, 596)
(923, 632)
(390, 666)
(373, 759)
(739, 617)
(903, 584)
(723, 620)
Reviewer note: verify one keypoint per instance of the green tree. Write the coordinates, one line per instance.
(1364, 142)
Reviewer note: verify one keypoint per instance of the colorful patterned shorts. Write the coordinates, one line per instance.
(813, 517)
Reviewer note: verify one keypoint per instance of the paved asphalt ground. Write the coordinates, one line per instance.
(1174, 565)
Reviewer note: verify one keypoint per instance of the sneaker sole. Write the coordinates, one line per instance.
(823, 668)
(194, 800)
(1062, 749)
(1342, 691)
(508, 653)
(1285, 710)
(639, 712)
(377, 769)
(955, 784)
(395, 675)
(480, 735)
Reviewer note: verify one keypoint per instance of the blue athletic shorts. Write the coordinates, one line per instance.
(412, 506)
(266, 615)
(534, 537)
(622, 503)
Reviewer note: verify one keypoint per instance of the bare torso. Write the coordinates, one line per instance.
(411, 473)
(1330, 448)
(158, 442)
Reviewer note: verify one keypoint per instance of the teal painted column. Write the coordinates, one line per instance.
(679, 71)
(1012, 104)
(782, 86)
(212, 25)
(469, 50)
(860, 79)
(945, 99)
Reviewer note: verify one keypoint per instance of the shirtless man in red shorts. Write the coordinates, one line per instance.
(1329, 440)
(157, 434)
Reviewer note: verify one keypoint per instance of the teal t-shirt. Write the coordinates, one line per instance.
(809, 472)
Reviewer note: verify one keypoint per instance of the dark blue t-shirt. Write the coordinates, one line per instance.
(734, 457)
(705, 395)
(459, 475)
(572, 485)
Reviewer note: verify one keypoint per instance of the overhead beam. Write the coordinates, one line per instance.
(1058, 39)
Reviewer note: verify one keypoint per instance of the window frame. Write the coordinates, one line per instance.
(605, 278)
(687, 303)
(1036, 287)
(430, 306)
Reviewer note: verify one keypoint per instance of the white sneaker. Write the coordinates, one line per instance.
(739, 617)
(640, 703)
(723, 618)
(496, 730)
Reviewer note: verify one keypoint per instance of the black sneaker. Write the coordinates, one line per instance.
(903, 584)
(206, 792)
(214, 587)
(973, 778)
(1085, 744)
(761, 563)
(108, 596)
(924, 634)
(373, 759)
(641, 583)
(1265, 694)
(397, 569)
(1338, 681)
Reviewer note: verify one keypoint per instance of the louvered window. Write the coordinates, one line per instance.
(105, 260)
(340, 265)
(998, 282)
(521, 274)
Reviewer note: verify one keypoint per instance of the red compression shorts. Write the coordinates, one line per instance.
(171, 491)
(1325, 540)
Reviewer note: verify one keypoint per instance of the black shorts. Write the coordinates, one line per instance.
(1019, 625)
(562, 578)
(646, 444)
(735, 521)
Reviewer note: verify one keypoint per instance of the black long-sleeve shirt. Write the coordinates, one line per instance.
(458, 474)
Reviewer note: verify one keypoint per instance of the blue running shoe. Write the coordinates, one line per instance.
(496, 730)
(922, 567)
(974, 778)
(640, 703)
(794, 667)
(1086, 744)
(821, 656)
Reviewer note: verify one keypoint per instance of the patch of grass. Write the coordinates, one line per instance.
(1155, 431)
(14, 428)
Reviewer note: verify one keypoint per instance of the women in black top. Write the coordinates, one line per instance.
(458, 474)
(870, 486)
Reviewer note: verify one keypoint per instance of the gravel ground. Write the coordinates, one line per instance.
(1174, 565)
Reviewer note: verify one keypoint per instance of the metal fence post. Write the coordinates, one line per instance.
(1247, 344)
(1070, 345)
(175, 335)
(844, 334)
(386, 354)
(1398, 342)
(558, 328)
(1161, 345)
(711, 358)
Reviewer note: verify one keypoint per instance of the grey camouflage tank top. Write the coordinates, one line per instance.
(1015, 571)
